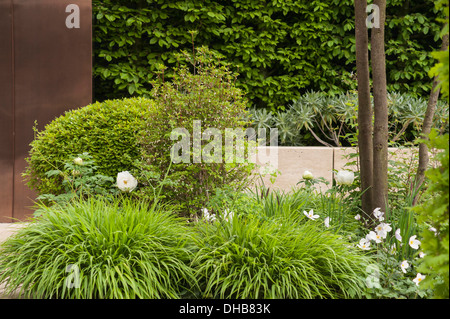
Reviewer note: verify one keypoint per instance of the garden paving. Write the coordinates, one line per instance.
(6, 230)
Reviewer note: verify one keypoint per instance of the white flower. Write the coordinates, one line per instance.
(378, 214)
(364, 244)
(126, 182)
(311, 215)
(434, 230)
(307, 175)
(374, 236)
(422, 254)
(382, 229)
(404, 265)
(419, 278)
(358, 217)
(206, 215)
(78, 161)
(327, 222)
(228, 216)
(413, 242)
(397, 234)
(345, 177)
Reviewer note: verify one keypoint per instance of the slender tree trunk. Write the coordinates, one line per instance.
(380, 133)
(364, 105)
(426, 129)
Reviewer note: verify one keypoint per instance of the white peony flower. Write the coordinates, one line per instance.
(345, 177)
(397, 234)
(126, 182)
(413, 242)
(307, 175)
(78, 161)
(311, 215)
(358, 217)
(422, 254)
(419, 278)
(364, 244)
(404, 265)
(327, 222)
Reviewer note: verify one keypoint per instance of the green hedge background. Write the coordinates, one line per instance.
(281, 48)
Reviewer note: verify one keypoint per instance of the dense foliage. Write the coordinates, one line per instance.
(115, 185)
(245, 257)
(434, 214)
(281, 49)
(186, 137)
(316, 118)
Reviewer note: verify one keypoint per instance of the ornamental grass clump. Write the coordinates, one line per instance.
(249, 258)
(95, 249)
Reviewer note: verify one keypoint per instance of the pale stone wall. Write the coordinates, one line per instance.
(321, 161)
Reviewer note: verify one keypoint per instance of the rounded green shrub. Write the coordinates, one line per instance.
(248, 258)
(95, 249)
(107, 131)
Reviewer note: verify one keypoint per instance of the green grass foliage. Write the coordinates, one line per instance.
(94, 249)
(249, 258)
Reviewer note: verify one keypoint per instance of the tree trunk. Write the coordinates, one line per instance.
(380, 134)
(364, 105)
(426, 129)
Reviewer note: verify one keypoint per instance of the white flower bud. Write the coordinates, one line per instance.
(308, 175)
(345, 177)
(78, 161)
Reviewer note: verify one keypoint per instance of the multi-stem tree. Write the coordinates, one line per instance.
(364, 105)
(380, 129)
(372, 141)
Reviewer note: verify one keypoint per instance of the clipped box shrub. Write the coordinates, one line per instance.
(107, 131)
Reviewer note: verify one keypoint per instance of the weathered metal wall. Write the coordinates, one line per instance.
(6, 112)
(45, 69)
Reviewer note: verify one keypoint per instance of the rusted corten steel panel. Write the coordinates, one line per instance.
(52, 74)
(6, 112)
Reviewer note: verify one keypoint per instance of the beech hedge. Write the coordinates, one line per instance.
(280, 48)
